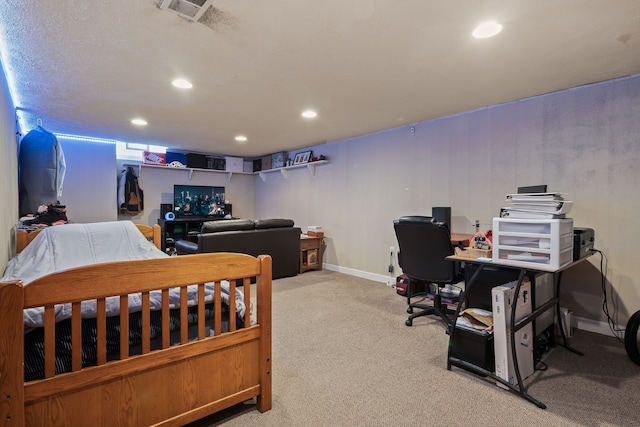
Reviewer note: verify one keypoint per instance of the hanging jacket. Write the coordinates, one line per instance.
(130, 195)
(41, 170)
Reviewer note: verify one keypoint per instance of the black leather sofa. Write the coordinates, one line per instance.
(276, 237)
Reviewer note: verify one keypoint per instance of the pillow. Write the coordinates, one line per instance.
(273, 223)
(227, 225)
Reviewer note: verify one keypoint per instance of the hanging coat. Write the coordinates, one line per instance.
(130, 195)
(41, 170)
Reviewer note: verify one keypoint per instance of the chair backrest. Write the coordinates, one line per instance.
(423, 246)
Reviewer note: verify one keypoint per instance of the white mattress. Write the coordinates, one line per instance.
(62, 247)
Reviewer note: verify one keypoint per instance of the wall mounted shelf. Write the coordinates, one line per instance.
(189, 170)
(263, 174)
(311, 166)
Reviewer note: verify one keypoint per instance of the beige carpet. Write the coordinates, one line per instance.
(342, 356)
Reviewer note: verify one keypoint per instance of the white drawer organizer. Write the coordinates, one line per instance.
(541, 244)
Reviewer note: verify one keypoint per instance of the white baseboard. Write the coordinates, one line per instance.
(359, 273)
(581, 323)
(593, 326)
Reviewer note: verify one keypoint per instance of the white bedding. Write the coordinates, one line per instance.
(62, 247)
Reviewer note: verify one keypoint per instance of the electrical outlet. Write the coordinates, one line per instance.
(391, 249)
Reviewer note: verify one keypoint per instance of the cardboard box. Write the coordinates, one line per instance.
(176, 160)
(315, 231)
(476, 253)
(247, 167)
(150, 158)
(502, 300)
(234, 164)
(266, 163)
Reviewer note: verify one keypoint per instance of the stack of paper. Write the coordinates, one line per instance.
(536, 205)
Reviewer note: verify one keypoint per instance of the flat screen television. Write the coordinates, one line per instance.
(198, 201)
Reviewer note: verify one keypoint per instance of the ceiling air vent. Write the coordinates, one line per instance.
(189, 9)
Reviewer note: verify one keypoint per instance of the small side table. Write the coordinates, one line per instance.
(310, 253)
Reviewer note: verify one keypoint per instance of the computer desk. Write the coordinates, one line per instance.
(518, 388)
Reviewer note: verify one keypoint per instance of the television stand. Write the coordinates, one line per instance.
(180, 228)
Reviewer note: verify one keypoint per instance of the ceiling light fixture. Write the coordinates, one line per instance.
(309, 114)
(241, 138)
(139, 122)
(182, 83)
(487, 29)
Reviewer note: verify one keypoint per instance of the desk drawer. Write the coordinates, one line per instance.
(309, 244)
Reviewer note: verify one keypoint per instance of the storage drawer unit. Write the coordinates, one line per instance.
(542, 244)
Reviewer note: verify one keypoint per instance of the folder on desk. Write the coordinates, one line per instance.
(553, 210)
(537, 197)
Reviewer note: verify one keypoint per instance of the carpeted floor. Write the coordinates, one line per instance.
(342, 356)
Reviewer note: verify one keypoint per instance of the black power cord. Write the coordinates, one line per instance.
(631, 330)
(604, 266)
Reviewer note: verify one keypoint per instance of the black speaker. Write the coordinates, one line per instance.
(442, 214)
(164, 209)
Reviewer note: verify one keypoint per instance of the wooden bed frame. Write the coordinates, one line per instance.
(24, 237)
(177, 384)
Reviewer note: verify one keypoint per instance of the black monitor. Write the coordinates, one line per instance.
(198, 201)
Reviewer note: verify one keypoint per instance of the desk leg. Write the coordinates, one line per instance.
(478, 370)
(564, 344)
(512, 333)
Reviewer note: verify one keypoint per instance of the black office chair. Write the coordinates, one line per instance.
(423, 246)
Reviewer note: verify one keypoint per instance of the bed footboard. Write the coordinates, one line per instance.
(174, 385)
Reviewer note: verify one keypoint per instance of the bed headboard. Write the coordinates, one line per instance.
(24, 237)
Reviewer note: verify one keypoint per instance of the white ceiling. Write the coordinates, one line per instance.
(88, 67)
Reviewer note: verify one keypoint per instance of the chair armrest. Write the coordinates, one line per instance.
(185, 247)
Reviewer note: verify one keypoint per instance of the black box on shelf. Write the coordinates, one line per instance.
(475, 347)
(216, 163)
(198, 161)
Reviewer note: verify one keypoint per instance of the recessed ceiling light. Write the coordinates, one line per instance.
(487, 29)
(241, 138)
(182, 83)
(139, 122)
(309, 114)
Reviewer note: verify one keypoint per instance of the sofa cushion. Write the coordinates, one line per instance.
(227, 225)
(273, 223)
(186, 247)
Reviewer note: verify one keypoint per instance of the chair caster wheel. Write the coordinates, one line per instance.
(410, 310)
(408, 322)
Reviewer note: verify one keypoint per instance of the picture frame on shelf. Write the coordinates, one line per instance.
(302, 157)
(279, 160)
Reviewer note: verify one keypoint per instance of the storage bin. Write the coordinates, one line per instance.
(475, 347)
(234, 164)
(541, 244)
